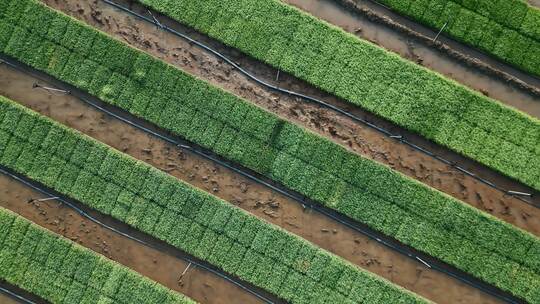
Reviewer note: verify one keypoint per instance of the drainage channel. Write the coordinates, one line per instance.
(428, 263)
(149, 256)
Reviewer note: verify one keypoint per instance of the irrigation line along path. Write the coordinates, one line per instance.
(16, 296)
(462, 44)
(180, 143)
(519, 195)
(455, 50)
(66, 202)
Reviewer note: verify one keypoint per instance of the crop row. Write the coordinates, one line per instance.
(359, 188)
(372, 78)
(509, 30)
(185, 217)
(514, 14)
(61, 271)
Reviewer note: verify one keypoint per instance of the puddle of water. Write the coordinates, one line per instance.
(232, 187)
(427, 56)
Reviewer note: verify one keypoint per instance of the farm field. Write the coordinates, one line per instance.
(386, 212)
(258, 200)
(360, 139)
(336, 127)
(440, 114)
(208, 228)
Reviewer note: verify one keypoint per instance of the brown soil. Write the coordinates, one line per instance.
(234, 188)
(378, 25)
(5, 299)
(162, 267)
(534, 3)
(356, 137)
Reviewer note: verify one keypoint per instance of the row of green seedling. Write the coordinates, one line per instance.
(508, 30)
(61, 271)
(368, 76)
(185, 217)
(514, 14)
(359, 188)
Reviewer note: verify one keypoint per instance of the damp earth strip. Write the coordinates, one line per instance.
(16, 296)
(516, 194)
(305, 202)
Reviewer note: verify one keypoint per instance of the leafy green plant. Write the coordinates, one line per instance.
(61, 271)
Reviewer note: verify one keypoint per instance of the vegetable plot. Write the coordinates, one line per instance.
(185, 217)
(368, 76)
(61, 271)
(359, 188)
(508, 30)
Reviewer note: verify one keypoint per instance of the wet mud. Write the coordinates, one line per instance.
(6, 299)
(255, 198)
(534, 3)
(160, 266)
(358, 138)
(375, 24)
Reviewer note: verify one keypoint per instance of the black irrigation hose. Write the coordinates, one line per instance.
(16, 296)
(389, 134)
(378, 237)
(126, 235)
(450, 38)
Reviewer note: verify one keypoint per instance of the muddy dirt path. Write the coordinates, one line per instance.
(358, 138)
(158, 265)
(240, 191)
(534, 3)
(5, 299)
(416, 50)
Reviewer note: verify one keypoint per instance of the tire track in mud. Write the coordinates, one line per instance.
(344, 131)
(253, 197)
